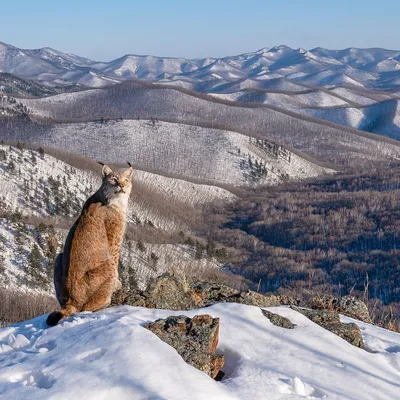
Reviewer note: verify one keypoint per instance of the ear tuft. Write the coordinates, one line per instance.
(106, 171)
(128, 172)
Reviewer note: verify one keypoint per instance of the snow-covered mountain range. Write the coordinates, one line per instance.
(370, 68)
(358, 88)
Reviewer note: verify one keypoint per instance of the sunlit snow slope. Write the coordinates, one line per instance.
(110, 354)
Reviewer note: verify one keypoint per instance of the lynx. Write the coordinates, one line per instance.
(86, 273)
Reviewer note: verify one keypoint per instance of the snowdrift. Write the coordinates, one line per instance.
(110, 355)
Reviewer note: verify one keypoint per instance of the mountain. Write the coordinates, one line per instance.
(110, 354)
(326, 84)
(12, 85)
(370, 68)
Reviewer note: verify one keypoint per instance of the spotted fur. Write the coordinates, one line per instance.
(86, 273)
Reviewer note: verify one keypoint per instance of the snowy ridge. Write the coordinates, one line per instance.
(214, 155)
(307, 137)
(111, 355)
(381, 117)
(360, 67)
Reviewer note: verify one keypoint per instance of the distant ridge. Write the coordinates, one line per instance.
(371, 68)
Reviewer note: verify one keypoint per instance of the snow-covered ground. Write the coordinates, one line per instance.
(110, 355)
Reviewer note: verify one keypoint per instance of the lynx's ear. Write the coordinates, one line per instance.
(106, 171)
(128, 172)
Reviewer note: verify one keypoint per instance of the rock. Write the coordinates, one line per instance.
(207, 293)
(286, 300)
(164, 292)
(351, 333)
(170, 292)
(167, 292)
(330, 320)
(195, 339)
(132, 298)
(347, 305)
(254, 299)
(278, 320)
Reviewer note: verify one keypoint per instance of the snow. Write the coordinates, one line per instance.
(109, 355)
(381, 117)
(213, 155)
(289, 101)
(363, 67)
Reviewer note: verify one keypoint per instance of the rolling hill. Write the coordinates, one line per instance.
(314, 140)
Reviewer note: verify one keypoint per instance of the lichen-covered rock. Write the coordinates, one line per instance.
(343, 305)
(170, 292)
(164, 292)
(254, 299)
(132, 298)
(330, 320)
(286, 300)
(351, 333)
(207, 293)
(278, 320)
(195, 339)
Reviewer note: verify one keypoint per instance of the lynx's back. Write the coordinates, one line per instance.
(86, 273)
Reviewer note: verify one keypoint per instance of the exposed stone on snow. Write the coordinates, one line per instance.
(347, 305)
(330, 320)
(278, 320)
(195, 339)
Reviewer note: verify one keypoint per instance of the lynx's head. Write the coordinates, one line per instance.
(117, 186)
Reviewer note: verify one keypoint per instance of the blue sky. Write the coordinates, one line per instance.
(103, 30)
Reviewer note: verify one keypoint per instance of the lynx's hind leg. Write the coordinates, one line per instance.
(103, 282)
(101, 298)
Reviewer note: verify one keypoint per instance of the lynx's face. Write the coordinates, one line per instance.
(116, 184)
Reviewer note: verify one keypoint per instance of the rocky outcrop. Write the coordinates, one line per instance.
(278, 320)
(171, 292)
(195, 339)
(343, 305)
(330, 320)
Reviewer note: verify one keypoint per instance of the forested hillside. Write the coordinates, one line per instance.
(338, 236)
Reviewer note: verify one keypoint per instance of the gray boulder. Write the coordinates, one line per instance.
(195, 339)
(330, 320)
(347, 305)
(278, 320)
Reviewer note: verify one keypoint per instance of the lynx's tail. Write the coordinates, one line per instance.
(56, 316)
